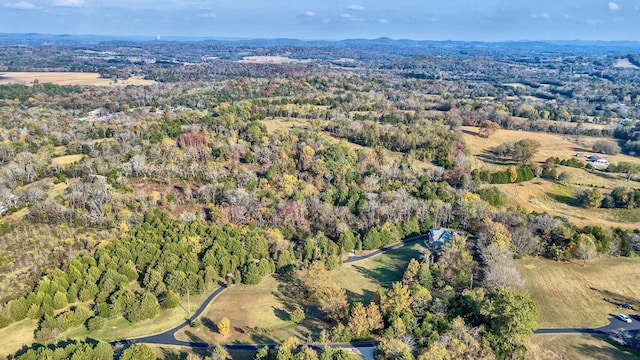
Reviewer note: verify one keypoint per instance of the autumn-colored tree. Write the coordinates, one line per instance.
(333, 302)
(190, 140)
(488, 128)
(411, 273)
(224, 326)
(374, 317)
(358, 324)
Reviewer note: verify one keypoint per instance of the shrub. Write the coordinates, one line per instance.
(95, 323)
(606, 147)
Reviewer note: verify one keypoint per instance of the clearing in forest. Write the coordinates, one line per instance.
(68, 78)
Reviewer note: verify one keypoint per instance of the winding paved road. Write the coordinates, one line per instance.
(614, 324)
(168, 337)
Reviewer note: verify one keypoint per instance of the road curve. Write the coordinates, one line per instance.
(168, 337)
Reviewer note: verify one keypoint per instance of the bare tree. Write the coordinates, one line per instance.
(500, 270)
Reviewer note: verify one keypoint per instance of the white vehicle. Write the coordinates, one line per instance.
(624, 318)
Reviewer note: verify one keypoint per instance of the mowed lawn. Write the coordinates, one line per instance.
(257, 313)
(575, 346)
(572, 295)
(363, 279)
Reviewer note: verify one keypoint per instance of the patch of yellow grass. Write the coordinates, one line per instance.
(270, 60)
(574, 346)
(15, 336)
(625, 63)
(57, 189)
(572, 295)
(68, 78)
(67, 159)
(537, 195)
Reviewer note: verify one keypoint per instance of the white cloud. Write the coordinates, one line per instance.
(22, 5)
(207, 15)
(310, 13)
(594, 21)
(346, 16)
(613, 6)
(69, 3)
(543, 15)
(355, 7)
(383, 21)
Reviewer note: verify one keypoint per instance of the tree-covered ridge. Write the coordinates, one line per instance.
(164, 257)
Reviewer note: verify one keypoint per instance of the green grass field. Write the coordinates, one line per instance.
(365, 278)
(571, 295)
(258, 313)
(575, 346)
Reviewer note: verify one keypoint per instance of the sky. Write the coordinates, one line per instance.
(469, 20)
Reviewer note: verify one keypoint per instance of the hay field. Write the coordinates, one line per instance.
(574, 346)
(547, 196)
(15, 336)
(66, 159)
(68, 78)
(556, 199)
(572, 295)
(270, 60)
(563, 146)
(625, 63)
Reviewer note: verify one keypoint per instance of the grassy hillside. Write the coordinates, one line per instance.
(572, 295)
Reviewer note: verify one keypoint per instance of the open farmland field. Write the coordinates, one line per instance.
(557, 199)
(574, 346)
(572, 295)
(68, 78)
(551, 145)
(270, 60)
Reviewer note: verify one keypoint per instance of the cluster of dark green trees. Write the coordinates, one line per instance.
(511, 175)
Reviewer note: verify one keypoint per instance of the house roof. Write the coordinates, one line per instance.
(440, 235)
